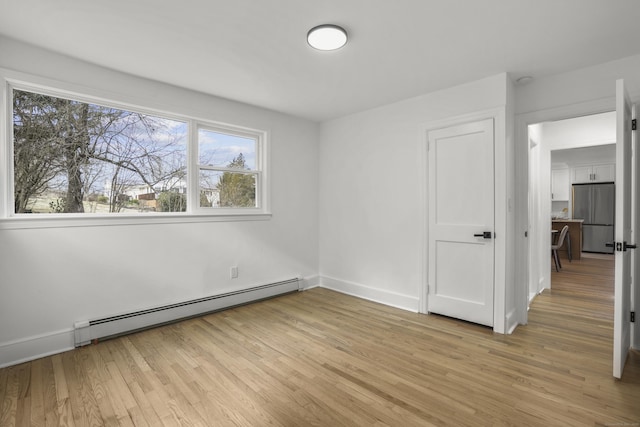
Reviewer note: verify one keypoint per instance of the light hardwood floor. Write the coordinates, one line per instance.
(322, 358)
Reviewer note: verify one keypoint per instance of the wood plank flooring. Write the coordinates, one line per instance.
(320, 358)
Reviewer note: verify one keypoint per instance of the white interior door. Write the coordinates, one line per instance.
(635, 233)
(461, 222)
(623, 277)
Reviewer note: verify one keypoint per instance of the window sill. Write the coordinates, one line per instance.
(31, 221)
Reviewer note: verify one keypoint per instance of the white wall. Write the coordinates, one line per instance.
(585, 131)
(511, 291)
(539, 261)
(540, 176)
(579, 86)
(583, 156)
(53, 277)
(371, 206)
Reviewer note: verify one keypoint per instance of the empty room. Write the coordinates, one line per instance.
(330, 213)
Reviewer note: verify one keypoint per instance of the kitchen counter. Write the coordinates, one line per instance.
(575, 231)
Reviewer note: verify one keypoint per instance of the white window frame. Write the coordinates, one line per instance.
(10, 220)
(261, 138)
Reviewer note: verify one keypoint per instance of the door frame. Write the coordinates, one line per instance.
(523, 243)
(501, 204)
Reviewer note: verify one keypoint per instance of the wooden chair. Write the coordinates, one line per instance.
(558, 245)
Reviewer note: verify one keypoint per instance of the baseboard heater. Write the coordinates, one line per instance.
(89, 331)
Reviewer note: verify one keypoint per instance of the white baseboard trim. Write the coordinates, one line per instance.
(35, 347)
(511, 321)
(404, 302)
(309, 282)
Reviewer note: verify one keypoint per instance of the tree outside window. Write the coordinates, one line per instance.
(76, 157)
(228, 175)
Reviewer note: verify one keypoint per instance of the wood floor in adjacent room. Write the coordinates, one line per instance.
(322, 358)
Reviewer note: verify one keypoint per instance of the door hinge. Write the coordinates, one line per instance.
(634, 124)
(633, 317)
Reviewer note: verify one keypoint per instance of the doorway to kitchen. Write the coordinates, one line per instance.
(626, 292)
(572, 174)
(571, 183)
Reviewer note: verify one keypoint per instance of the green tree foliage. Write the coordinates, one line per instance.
(170, 201)
(204, 202)
(237, 189)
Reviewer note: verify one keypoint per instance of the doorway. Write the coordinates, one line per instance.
(567, 155)
(627, 194)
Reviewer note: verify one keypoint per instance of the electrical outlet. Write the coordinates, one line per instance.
(234, 272)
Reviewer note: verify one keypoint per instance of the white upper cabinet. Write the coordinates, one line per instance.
(594, 173)
(582, 174)
(604, 173)
(560, 185)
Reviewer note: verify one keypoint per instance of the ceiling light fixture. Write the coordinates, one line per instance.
(327, 37)
(524, 80)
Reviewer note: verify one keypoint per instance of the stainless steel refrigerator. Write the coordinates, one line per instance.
(595, 204)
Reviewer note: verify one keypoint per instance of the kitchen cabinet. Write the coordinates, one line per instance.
(594, 173)
(560, 185)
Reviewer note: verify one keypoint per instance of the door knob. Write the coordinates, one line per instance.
(620, 246)
(484, 234)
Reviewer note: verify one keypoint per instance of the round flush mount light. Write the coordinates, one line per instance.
(327, 37)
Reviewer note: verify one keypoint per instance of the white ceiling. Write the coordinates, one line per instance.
(255, 51)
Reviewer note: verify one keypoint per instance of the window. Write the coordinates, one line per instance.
(76, 157)
(227, 170)
(71, 155)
